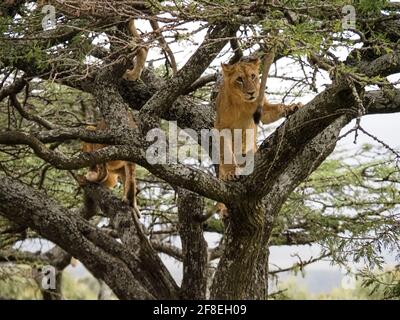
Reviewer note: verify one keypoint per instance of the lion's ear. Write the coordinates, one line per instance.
(227, 68)
(255, 61)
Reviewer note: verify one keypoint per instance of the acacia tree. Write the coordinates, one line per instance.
(82, 60)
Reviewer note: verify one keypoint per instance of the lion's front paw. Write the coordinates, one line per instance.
(131, 75)
(292, 108)
(231, 176)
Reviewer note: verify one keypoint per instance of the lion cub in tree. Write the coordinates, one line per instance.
(108, 173)
(141, 55)
(236, 106)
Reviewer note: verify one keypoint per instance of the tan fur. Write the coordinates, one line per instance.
(141, 56)
(236, 104)
(108, 173)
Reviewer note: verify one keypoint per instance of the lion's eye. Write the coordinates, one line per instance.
(253, 76)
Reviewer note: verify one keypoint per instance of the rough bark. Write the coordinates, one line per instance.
(239, 275)
(194, 246)
(250, 224)
(105, 257)
(149, 269)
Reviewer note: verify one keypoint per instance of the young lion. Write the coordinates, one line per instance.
(236, 106)
(141, 55)
(108, 173)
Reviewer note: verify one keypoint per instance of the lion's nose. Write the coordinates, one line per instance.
(251, 93)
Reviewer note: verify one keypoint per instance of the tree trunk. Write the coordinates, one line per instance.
(55, 294)
(194, 246)
(243, 268)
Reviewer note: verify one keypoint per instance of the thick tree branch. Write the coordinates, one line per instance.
(150, 270)
(56, 256)
(383, 66)
(292, 137)
(301, 165)
(201, 82)
(180, 175)
(187, 113)
(194, 246)
(120, 267)
(167, 249)
(381, 102)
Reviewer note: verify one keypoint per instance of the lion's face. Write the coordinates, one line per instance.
(243, 80)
